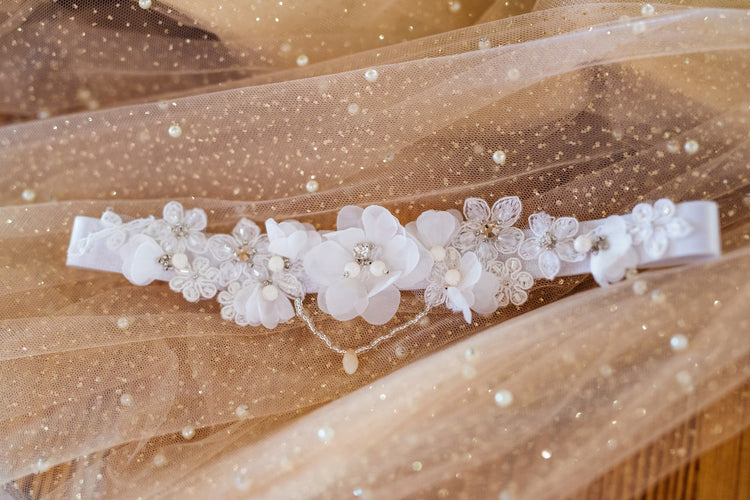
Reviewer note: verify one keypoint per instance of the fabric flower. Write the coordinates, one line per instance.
(513, 282)
(197, 280)
(552, 242)
(238, 253)
(360, 267)
(490, 232)
(653, 227)
(291, 239)
(452, 282)
(435, 230)
(612, 252)
(143, 260)
(255, 303)
(180, 231)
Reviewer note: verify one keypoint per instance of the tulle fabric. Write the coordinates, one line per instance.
(115, 390)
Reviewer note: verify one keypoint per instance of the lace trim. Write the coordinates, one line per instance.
(473, 262)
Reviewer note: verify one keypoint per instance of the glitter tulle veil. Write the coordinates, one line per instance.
(295, 109)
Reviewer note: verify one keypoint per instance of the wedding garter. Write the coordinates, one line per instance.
(476, 261)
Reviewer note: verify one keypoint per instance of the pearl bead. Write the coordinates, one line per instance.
(514, 74)
(180, 261)
(159, 460)
(452, 277)
(639, 27)
(455, 6)
(353, 108)
(325, 434)
(123, 322)
(678, 342)
(582, 244)
(28, 195)
(691, 147)
(484, 43)
(546, 454)
(270, 293)
(350, 362)
(351, 270)
(126, 400)
(144, 4)
(188, 432)
(302, 60)
(241, 411)
(499, 157)
(276, 264)
(312, 186)
(378, 268)
(175, 130)
(648, 10)
(371, 75)
(503, 398)
(438, 253)
(640, 287)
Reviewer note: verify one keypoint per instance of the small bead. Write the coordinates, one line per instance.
(159, 460)
(276, 264)
(691, 147)
(353, 108)
(484, 43)
(503, 398)
(270, 293)
(546, 454)
(126, 400)
(175, 130)
(647, 10)
(678, 342)
(28, 195)
(438, 253)
(639, 27)
(371, 75)
(673, 146)
(499, 157)
(351, 270)
(514, 74)
(241, 411)
(452, 277)
(454, 6)
(378, 268)
(350, 362)
(123, 322)
(180, 261)
(188, 432)
(325, 434)
(583, 244)
(144, 4)
(312, 186)
(640, 287)
(302, 60)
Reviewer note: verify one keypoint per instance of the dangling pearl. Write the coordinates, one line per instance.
(438, 253)
(371, 75)
(453, 277)
(583, 244)
(276, 264)
(351, 362)
(180, 261)
(351, 270)
(175, 130)
(270, 293)
(378, 268)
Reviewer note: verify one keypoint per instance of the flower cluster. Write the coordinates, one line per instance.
(470, 262)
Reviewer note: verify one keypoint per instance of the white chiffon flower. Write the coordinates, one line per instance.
(143, 260)
(198, 280)
(552, 242)
(612, 252)
(513, 282)
(360, 267)
(452, 282)
(489, 231)
(291, 239)
(179, 231)
(255, 303)
(653, 226)
(435, 231)
(239, 252)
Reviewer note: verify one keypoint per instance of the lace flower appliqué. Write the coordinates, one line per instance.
(653, 227)
(197, 280)
(513, 282)
(238, 252)
(552, 242)
(489, 231)
(180, 231)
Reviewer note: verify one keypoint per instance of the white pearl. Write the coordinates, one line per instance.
(241, 411)
(28, 195)
(302, 60)
(583, 244)
(499, 157)
(353, 108)
(312, 186)
(503, 398)
(159, 460)
(639, 27)
(351, 362)
(640, 287)
(123, 322)
(513, 74)
(276, 264)
(126, 400)
(188, 432)
(371, 75)
(452, 277)
(180, 261)
(144, 4)
(438, 253)
(678, 342)
(484, 43)
(648, 10)
(351, 270)
(378, 268)
(455, 6)
(691, 147)
(270, 293)
(175, 130)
